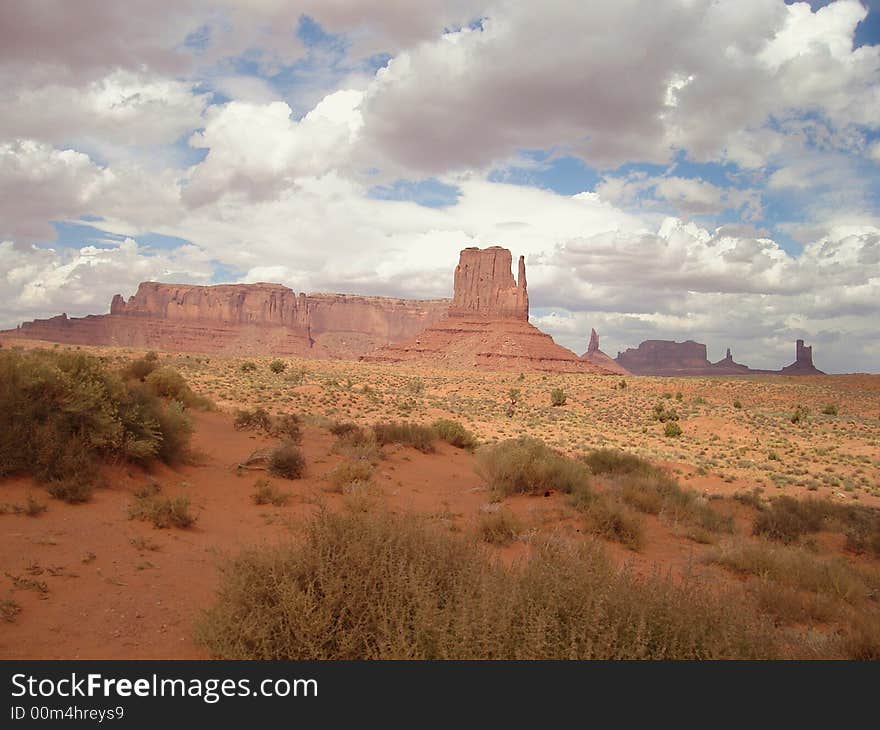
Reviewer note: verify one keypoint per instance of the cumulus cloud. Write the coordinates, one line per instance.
(257, 149)
(613, 88)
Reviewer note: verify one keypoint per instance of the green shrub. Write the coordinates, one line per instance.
(367, 584)
(528, 465)
(287, 461)
(140, 368)
(557, 397)
(248, 367)
(455, 434)
(277, 366)
(63, 413)
(410, 434)
(672, 430)
(267, 493)
(664, 414)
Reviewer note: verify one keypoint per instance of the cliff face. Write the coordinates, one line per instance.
(487, 325)
(244, 319)
(484, 285)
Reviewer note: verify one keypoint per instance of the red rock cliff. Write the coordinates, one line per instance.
(484, 285)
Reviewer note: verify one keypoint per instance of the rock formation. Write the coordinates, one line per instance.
(487, 325)
(243, 319)
(484, 285)
(664, 357)
(803, 362)
(597, 357)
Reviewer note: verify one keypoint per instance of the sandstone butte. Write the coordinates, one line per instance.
(664, 357)
(597, 357)
(487, 325)
(243, 319)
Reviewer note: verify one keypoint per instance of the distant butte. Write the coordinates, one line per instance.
(487, 324)
(597, 357)
(665, 357)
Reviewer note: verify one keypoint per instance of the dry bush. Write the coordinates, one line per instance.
(500, 527)
(613, 521)
(529, 466)
(453, 433)
(163, 512)
(796, 567)
(350, 473)
(406, 433)
(267, 493)
(287, 461)
(787, 519)
(372, 585)
(652, 490)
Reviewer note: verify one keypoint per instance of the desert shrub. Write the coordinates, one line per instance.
(611, 520)
(169, 383)
(256, 419)
(672, 430)
(527, 465)
(663, 414)
(737, 404)
(350, 473)
(140, 368)
(288, 426)
(163, 512)
(557, 397)
(267, 493)
(455, 434)
(287, 461)
(63, 413)
(277, 366)
(500, 527)
(793, 566)
(248, 367)
(343, 428)
(800, 414)
(367, 584)
(407, 433)
(653, 490)
(9, 609)
(787, 518)
(829, 409)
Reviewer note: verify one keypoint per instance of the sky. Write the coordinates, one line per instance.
(673, 169)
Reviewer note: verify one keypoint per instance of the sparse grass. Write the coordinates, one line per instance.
(529, 466)
(267, 493)
(163, 512)
(287, 461)
(653, 490)
(672, 430)
(795, 567)
(614, 521)
(9, 610)
(349, 473)
(499, 527)
(371, 585)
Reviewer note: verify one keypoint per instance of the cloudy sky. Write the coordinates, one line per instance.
(675, 169)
